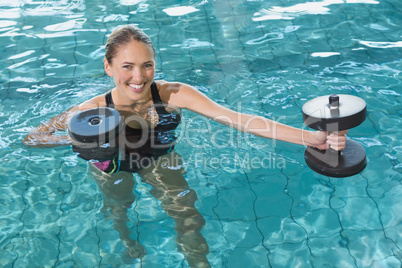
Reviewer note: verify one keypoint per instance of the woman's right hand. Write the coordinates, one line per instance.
(335, 140)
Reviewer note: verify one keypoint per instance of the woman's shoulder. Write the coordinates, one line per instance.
(169, 92)
(177, 93)
(97, 101)
(163, 85)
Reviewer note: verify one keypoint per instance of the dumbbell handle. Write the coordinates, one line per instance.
(334, 108)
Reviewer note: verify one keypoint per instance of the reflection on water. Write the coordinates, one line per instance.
(307, 8)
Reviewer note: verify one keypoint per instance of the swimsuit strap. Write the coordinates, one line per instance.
(156, 98)
(155, 94)
(109, 100)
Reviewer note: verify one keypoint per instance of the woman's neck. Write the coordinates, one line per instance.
(124, 101)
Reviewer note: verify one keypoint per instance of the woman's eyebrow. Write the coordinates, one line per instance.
(131, 63)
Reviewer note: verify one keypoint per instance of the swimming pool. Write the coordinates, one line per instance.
(263, 207)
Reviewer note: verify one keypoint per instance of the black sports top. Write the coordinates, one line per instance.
(144, 145)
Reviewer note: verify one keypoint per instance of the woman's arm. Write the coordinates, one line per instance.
(184, 96)
(43, 135)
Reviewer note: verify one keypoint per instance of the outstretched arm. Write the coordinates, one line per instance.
(43, 135)
(184, 96)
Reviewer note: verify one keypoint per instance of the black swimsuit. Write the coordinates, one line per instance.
(143, 145)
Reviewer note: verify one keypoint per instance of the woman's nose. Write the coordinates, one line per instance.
(137, 74)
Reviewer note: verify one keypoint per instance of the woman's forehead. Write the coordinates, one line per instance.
(135, 50)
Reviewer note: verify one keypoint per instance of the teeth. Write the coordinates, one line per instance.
(136, 86)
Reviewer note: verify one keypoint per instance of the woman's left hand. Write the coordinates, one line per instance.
(336, 140)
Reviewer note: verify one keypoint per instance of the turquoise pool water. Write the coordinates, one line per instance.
(262, 205)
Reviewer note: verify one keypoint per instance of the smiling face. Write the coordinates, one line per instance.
(133, 71)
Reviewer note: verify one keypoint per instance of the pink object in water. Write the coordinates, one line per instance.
(102, 165)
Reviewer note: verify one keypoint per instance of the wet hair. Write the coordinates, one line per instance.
(124, 35)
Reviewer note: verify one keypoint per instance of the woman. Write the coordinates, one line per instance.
(130, 60)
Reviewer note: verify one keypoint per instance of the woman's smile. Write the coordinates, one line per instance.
(137, 88)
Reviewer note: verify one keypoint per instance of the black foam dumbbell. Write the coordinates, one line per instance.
(95, 133)
(335, 113)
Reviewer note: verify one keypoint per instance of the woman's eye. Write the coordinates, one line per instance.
(148, 65)
(127, 66)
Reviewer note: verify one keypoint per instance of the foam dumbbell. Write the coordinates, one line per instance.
(335, 113)
(95, 133)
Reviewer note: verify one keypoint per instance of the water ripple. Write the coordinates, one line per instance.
(381, 44)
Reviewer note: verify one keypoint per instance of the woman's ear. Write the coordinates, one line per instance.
(107, 66)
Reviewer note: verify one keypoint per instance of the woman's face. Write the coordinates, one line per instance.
(133, 70)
